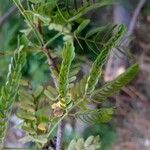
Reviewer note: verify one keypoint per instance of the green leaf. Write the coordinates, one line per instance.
(92, 143)
(24, 95)
(28, 129)
(26, 115)
(89, 141)
(96, 116)
(42, 114)
(72, 145)
(96, 69)
(63, 81)
(51, 93)
(82, 26)
(29, 107)
(38, 91)
(97, 37)
(74, 70)
(80, 144)
(114, 86)
(10, 89)
(94, 31)
(78, 90)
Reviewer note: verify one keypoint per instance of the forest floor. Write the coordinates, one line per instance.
(133, 103)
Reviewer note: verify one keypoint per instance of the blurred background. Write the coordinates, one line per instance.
(130, 127)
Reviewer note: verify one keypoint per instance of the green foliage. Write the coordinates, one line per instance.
(112, 87)
(68, 56)
(92, 143)
(48, 23)
(94, 38)
(35, 116)
(96, 69)
(96, 116)
(74, 70)
(10, 89)
(51, 93)
(99, 95)
(82, 26)
(78, 90)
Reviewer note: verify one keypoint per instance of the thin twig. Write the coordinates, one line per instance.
(51, 62)
(52, 65)
(8, 14)
(135, 16)
(132, 23)
(60, 132)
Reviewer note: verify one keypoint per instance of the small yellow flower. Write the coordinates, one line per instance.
(55, 105)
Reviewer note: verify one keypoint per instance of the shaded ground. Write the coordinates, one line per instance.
(133, 121)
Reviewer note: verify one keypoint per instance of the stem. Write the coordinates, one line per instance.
(54, 69)
(58, 122)
(52, 65)
(22, 11)
(60, 132)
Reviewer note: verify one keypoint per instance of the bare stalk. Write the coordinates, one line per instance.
(60, 132)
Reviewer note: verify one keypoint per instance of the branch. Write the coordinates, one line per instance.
(55, 71)
(52, 65)
(51, 62)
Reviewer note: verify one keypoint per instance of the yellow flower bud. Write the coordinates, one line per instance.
(42, 127)
(57, 109)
